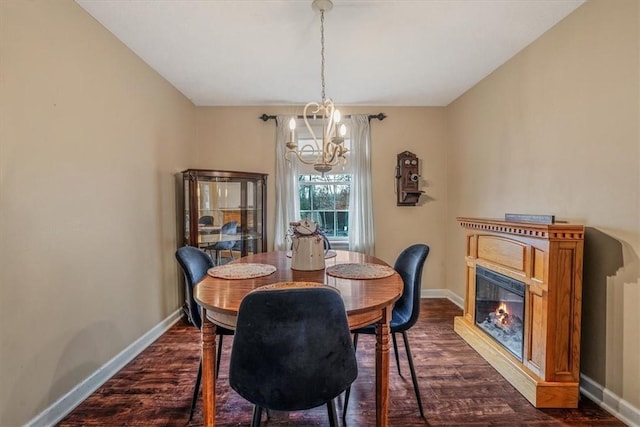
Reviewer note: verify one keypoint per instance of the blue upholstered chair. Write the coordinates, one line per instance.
(206, 220)
(227, 229)
(406, 310)
(292, 349)
(195, 263)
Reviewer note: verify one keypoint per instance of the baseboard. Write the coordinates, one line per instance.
(443, 293)
(610, 402)
(58, 410)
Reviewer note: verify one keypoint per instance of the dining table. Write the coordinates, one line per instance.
(368, 299)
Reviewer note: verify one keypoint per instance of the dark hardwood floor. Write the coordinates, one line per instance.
(459, 388)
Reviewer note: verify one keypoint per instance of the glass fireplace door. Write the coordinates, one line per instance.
(500, 309)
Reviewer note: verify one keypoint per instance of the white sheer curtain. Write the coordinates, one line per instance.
(287, 198)
(361, 237)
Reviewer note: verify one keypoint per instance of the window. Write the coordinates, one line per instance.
(324, 199)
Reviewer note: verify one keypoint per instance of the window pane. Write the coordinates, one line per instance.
(306, 215)
(342, 197)
(323, 197)
(305, 197)
(326, 222)
(342, 228)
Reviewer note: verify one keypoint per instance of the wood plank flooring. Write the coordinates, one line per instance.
(459, 388)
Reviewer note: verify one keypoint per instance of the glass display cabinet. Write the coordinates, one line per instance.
(224, 212)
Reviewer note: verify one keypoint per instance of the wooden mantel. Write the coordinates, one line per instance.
(547, 258)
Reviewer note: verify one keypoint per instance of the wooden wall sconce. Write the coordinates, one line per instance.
(408, 179)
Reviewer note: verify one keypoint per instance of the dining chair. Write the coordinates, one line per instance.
(195, 263)
(292, 349)
(229, 228)
(406, 310)
(206, 220)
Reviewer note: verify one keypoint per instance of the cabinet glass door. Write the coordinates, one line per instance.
(228, 208)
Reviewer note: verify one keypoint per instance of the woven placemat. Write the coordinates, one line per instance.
(360, 271)
(241, 271)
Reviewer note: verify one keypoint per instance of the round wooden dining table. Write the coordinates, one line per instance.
(367, 301)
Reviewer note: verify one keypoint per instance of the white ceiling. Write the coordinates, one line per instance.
(378, 52)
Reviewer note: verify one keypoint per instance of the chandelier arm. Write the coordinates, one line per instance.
(332, 161)
(316, 107)
(300, 158)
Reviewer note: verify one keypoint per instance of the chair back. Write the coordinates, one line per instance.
(205, 220)
(409, 265)
(194, 263)
(292, 348)
(230, 227)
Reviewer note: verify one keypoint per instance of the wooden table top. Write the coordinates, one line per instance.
(221, 297)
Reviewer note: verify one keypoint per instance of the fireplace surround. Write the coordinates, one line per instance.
(522, 308)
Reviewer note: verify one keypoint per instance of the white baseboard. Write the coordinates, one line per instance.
(610, 402)
(58, 410)
(443, 293)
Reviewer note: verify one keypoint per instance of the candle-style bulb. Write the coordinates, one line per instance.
(337, 116)
(343, 130)
(292, 123)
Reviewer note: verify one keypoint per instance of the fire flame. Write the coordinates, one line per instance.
(502, 313)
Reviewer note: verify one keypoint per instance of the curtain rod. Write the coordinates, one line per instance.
(379, 116)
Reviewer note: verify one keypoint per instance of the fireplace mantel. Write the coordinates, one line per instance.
(548, 259)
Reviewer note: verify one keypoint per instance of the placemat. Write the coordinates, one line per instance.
(241, 270)
(360, 271)
(328, 254)
(294, 285)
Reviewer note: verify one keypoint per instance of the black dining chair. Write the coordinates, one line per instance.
(406, 310)
(195, 263)
(292, 349)
(229, 228)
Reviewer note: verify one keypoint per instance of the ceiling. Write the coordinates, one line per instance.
(378, 52)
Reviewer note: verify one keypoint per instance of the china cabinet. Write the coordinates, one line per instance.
(224, 212)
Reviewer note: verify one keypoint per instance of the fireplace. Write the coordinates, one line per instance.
(522, 305)
(500, 309)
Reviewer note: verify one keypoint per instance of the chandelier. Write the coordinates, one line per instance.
(326, 150)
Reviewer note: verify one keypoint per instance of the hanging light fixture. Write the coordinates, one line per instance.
(326, 150)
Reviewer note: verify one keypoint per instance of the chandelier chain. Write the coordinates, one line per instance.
(322, 54)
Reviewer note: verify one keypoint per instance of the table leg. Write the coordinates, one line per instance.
(208, 370)
(382, 368)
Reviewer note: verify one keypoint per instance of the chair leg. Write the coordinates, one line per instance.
(333, 416)
(219, 354)
(413, 372)
(395, 350)
(347, 392)
(257, 414)
(196, 390)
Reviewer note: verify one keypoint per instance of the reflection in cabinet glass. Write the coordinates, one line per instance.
(224, 212)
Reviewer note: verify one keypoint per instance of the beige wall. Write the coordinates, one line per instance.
(90, 138)
(555, 130)
(235, 139)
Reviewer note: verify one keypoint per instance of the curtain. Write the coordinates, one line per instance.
(361, 237)
(287, 198)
